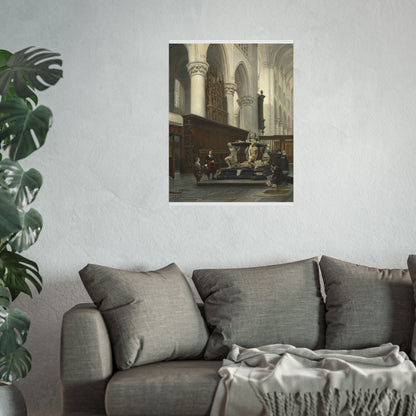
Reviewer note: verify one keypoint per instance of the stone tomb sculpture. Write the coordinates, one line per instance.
(232, 159)
(252, 168)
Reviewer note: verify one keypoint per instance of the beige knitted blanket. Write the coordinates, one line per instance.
(281, 380)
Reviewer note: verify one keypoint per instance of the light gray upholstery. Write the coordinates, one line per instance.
(86, 361)
(262, 305)
(367, 306)
(170, 388)
(411, 263)
(151, 316)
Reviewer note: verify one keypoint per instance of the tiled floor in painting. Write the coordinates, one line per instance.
(184, 189)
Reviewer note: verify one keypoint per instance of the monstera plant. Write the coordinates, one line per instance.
(23, 129)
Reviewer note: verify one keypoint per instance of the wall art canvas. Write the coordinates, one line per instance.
(231, 122)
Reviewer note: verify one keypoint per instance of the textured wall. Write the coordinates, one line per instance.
(105, 194)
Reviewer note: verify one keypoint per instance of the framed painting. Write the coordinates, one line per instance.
(231, 122)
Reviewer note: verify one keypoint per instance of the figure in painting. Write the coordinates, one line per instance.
(266, 155)
(253, 152)
(283, 165)
(232, 160)
(210, 165)
(276, 177)
(197, 169)
(280, 170)
(251, 138)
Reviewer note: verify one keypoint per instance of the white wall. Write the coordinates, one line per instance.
(105, 194)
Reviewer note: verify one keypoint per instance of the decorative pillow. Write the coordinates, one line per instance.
(151, 316)
(411, 263)
(365, 306)
(262, 305)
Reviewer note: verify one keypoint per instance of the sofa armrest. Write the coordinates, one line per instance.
(86, 361)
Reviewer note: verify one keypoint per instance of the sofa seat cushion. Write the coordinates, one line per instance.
(183, 388)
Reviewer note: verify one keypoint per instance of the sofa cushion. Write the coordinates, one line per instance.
(366, 306)
(411, 263)
(151, 316)
(262, 305)
(174, 388)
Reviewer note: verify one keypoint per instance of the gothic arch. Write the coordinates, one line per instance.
(283, 58)
(217, 56)
(242, 79)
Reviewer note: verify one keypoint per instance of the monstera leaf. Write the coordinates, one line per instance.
(31, 66)
(31, 101)
(4, 300)
(22, 125)
(15, 366)
(15, 360)
(13, 331)
(10, 218)
(4, 57)
(15, 270)
(31, 222)
(22, 186)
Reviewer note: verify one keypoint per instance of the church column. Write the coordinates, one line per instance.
(277, 124)
(198, 73)
(246, 113)
(285, 126)
(290, 126)
(269, 100)
(230, 89)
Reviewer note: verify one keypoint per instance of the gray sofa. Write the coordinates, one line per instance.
(90, 383)
(249, 307)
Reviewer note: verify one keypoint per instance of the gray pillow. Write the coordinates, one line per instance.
(150, 316)
(365, 306)
(262, 305)
(411, 263)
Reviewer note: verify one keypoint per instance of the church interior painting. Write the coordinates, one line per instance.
(231, 122)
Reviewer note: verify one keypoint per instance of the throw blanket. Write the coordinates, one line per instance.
(281, 380)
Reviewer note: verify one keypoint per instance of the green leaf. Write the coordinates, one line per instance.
(9, 215)
(15, 270)
(31, 66)
(4, 299)
(31, 101)
(22, 186)
(15, 366)
(31, 227)
(4, 57)
(26, 128)
(13, 331)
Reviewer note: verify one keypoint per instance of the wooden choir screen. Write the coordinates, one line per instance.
(202, 135)
(199, 135)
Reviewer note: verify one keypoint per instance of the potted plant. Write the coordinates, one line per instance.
(23, 129)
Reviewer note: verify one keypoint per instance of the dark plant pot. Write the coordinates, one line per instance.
(12, 402)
